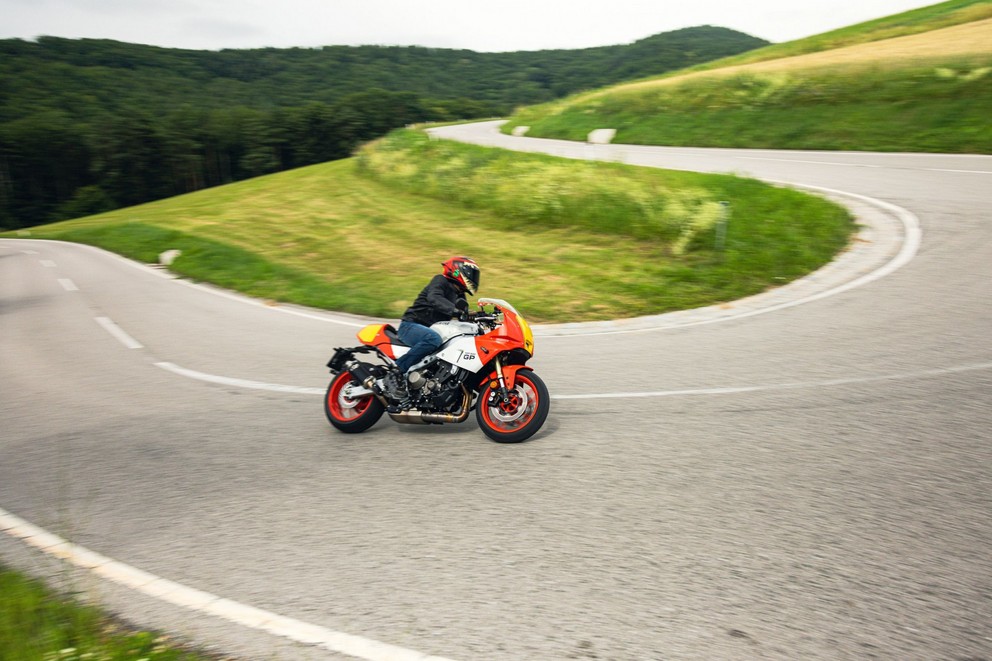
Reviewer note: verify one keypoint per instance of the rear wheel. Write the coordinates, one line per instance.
(519, 418)
(347, 414)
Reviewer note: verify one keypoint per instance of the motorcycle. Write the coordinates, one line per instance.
(481, 364)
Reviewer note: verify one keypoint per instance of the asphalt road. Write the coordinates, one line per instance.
(814, 482)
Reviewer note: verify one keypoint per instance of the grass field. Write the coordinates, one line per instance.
(38, 624)
(927, 91)
(340, 236)
(916, 21)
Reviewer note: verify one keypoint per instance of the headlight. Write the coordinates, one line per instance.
(528, 335)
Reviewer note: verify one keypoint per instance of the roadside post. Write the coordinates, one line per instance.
(721, 226)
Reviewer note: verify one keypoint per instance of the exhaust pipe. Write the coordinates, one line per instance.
(364, 375)
(421, 418)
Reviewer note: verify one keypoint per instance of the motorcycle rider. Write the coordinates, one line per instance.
(442, 299)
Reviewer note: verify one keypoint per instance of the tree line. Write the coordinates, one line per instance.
(53, 167)
(92, 125)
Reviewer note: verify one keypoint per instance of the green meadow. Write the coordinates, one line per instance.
(562, 240)
(888, 85)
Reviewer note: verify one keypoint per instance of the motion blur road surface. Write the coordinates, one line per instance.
(814, 483)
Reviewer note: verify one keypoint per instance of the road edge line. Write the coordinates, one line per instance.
(184, 596)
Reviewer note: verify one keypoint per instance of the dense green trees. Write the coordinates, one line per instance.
(88, 125)
(54, 167)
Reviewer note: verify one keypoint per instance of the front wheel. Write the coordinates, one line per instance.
(519, 418)
(350, 415)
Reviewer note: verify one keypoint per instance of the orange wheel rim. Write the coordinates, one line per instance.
(515, 413)
(341, 406)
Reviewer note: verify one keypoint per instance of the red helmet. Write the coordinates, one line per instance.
(464, 271)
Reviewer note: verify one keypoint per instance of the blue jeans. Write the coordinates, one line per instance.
(421, 340)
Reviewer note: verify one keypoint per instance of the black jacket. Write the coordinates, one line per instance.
(437, 302)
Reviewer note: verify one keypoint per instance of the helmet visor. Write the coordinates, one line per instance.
(470, 277)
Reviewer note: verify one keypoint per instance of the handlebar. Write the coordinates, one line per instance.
(478, 317)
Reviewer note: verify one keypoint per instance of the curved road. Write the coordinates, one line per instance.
(814, 482)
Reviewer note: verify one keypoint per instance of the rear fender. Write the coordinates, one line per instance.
(344, 355)
(340, 357)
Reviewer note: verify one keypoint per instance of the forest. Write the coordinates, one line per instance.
(92, 125)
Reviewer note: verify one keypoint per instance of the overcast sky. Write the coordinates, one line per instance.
(506, 25)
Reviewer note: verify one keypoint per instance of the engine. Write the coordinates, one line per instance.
(437, 386)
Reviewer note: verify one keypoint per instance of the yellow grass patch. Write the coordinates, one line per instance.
(960, 40)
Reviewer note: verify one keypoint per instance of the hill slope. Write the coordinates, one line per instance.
(928, 90)
(86, 75)
(89, 125)
(338, 234)
(565, 240)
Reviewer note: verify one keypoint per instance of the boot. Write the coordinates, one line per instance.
(393, 385)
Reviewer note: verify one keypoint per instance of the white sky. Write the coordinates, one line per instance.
(507, 25)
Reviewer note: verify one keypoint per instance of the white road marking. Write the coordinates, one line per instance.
(859, 165)
(119, 333)
(345, 643)
(913, 237)
(732, 390)
(47, 263)
(234, 296)
(278, 308)
(797, 160)
(910, 246)
(911, 243)
(238, 383)
(784, 386)
(204, 602)
(958, 171)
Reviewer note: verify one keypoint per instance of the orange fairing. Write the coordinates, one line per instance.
(375, 335)
(513, 333)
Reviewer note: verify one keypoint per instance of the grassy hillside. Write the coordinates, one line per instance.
(916, 21)
(363, 236)
(581, 241)
(893, 85)
(90, 125)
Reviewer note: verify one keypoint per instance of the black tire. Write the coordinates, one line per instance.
(519, 419)
(351, 416)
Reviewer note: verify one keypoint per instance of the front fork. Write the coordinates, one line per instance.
(504, 378)
(504, 392)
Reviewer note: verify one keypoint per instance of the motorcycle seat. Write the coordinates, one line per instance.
(394, 339)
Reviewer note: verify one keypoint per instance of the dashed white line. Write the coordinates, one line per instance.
(47, 263)
(68, 284)
(204, 602)
(327, 317)
(119, 333)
